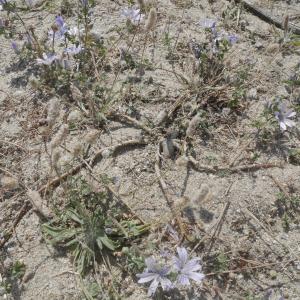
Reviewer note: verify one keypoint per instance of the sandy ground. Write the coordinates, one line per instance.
(252, 229)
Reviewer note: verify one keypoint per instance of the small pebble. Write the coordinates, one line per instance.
(273, 274)
(252, 94)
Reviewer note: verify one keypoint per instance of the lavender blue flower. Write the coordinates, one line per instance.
(73, 50)
(232, 38)
(75, 31)
(29, 3)
(15, 47)
(187, 269)
(208, 23)
(283, 116)
(62, 29)
(47, 59)
(59, 21)
(134, 15)
(157, 274)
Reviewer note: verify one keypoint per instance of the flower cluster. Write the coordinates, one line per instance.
(60, 30)
(158, 274)
(284, 115)
(133, 15)
(47, 59)
(217, 37)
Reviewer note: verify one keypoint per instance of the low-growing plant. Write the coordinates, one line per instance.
(92, 225)
(288, 208)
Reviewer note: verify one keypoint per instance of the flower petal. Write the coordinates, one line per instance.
(150, 263)
(208, 23)
(166, 284)
(177, 263)
(282, 125)
(183, 279)
(182, 254)
(290, 123)
(290, 114)
(152, 288)
(196, 276)
(191, 266)
(146, 277)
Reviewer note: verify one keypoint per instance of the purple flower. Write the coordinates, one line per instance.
(134, 15)
(59, 21)
(29, 3)
(75, 31)
(208, 23)
(47, 59)
(283, 116)
(157, 274)
(62, 29)
(73, 50)
(187, 269)
(232, 38)
(15, 47)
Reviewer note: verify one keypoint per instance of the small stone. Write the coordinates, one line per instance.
(272, 48)
(252, 94)
(161, 117)
(240, 277)
(74, 116)
(9, 182)
(2, 291)
(106, 153)
(258, 45)
(168, 148)
(19, 93)
(296, 93)
(273, 274)
(7, 263)
(182, 161)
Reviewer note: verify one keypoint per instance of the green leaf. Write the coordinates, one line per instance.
(73, 215)
(99, 243)
(60, 234)
(107, 242)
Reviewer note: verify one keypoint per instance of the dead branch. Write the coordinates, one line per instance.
(267, 18)
(216, 169)
(133, 121)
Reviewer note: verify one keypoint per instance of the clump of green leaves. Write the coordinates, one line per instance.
(18, 270)
(288, 209)
(294, 157)
(92, 224)
(134, 261)
(221, 263)
(13, 274)
(266, 124)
